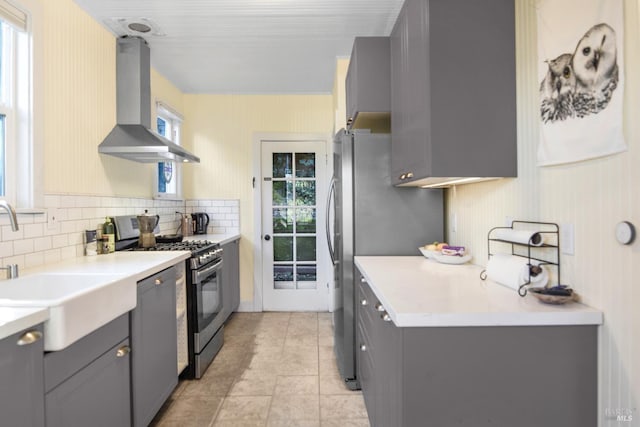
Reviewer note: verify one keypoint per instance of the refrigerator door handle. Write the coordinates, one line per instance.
(332, 189)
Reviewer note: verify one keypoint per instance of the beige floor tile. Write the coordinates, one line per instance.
(298, 407)
(356, 422)
(301, 340)
(333, 385)
(254, 383)
(326, 352)
(296, 384)
(240, 423)
(342, 406)
(194, 411)
(328, 366)
(212, 386)
(244, 408)
(325, 340)
(292, 423)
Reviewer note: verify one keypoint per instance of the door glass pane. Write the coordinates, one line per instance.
(283, 220)
(282, 273)
(305, 220)
(305, 193)
(283, 248)
(306, 248)
(282, 165)
(305, 165)
(282, 193)
(306, 273)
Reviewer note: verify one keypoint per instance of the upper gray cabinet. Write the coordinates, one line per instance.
(367, 85)
(453, 91)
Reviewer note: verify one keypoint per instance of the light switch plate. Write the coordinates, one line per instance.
(567, 239)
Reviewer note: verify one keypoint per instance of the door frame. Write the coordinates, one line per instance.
(258, 139)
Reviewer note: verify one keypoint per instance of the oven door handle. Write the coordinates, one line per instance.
(199, 275)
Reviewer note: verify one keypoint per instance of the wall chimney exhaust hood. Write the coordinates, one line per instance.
(132, 137)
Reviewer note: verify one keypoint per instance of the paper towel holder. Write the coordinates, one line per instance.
(549, 249)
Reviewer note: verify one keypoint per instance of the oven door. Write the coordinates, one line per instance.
(207, 283)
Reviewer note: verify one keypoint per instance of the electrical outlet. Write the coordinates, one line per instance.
(567, 237)
(52, 218)
(454, 223)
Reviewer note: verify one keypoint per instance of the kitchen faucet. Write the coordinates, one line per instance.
(12, 214)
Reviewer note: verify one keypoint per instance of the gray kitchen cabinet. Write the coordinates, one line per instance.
(21, 376)
(368, 93)
(453, 91)
(153, 339)
(87, 383)
(231, 276)
(523, 376)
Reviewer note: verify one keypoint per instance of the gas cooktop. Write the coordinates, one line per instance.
(185, 245)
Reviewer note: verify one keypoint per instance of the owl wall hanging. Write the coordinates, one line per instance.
(580, 69)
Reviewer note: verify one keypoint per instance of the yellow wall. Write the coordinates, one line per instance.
(221, 129)
(340, 94)
(80, 107)
(593, 196)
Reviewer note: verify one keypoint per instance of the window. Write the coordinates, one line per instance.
(168, 174)
(19, 184)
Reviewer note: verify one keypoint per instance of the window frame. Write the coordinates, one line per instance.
(174, 121)
(24, 109)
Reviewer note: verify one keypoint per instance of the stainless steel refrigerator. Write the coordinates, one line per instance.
(370, 217)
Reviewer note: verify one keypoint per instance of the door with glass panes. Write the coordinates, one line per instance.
(293, 213)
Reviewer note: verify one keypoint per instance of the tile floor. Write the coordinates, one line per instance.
(274, 370)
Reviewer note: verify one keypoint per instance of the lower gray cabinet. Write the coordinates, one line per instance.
(21, 378)
(525, 376)
(153, 339)
(87, 383)
(231, 275)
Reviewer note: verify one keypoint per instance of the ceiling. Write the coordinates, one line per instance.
(248, 46)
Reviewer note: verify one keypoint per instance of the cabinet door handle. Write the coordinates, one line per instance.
(123, 351)
(379, 307)
(385, 316)
(158, 281)
(363, 347)
(363, 280)
(403, 177)
(409, 175)
(364, 302)
(29, 337)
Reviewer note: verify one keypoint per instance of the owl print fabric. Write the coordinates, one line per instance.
(580, 69)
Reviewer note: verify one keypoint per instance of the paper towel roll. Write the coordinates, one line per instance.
(532, 238)
(513, 271)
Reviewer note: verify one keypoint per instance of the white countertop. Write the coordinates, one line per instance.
(419, 292)
(15, 319)
(215, 238)
(136, 265)
(133, 266)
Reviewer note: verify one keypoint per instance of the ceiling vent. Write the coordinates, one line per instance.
(134, 27)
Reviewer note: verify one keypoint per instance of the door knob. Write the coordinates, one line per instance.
(267, 237)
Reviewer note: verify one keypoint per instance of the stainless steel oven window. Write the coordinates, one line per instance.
(208, 295)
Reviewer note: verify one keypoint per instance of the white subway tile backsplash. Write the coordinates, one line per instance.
(40, 241)
(23, 246)
(33, 230)
(6, 249)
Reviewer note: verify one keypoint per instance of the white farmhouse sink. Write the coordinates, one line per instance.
(78, 304)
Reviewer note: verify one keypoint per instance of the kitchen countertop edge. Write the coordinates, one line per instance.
(16, 319)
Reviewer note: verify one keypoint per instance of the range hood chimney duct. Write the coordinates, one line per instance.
(132, 137)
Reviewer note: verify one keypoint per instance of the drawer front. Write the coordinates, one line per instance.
(167, 275)
(366, 372)
(97, 395)
(60, 365)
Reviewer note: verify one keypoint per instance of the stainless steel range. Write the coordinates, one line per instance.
(205, 321)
